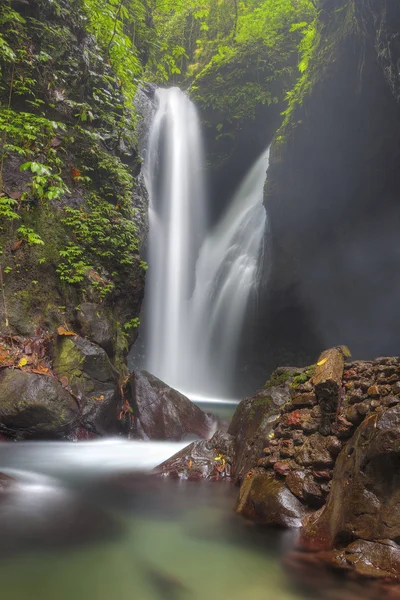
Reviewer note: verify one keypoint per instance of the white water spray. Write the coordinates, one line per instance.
(175, 181)
(195, 314)
(227, 279)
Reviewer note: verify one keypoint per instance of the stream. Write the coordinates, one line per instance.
(88, 522)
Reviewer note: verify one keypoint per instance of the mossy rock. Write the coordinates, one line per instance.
(35, 406)
(89, 374)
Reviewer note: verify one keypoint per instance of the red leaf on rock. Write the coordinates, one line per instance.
(16, 246)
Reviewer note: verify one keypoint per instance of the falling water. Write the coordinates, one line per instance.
(195, 312)
(227, 279)
(174, 179)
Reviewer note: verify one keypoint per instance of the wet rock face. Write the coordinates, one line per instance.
(162, 413)
(365, 498)
(326, 404)
(267, 500)
(35, 406)
(202, 459)
(85, 369)
(95, 325)
(254, 419)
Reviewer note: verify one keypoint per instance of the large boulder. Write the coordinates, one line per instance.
(267, 501)
(85, 369)
(364, 503)
(162, 413)
(35, 406)
(202, 459)
(255, 418)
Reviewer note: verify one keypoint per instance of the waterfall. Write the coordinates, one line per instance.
(199, 287)
(174, 177)
(227, 279)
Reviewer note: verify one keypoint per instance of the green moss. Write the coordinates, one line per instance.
(69, 360)
(278, 379)
(303, 377)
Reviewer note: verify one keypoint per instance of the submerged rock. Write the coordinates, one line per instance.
(35, 406)
(162, 413)
(202, 459)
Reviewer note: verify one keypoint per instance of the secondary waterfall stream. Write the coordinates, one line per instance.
(200, 284)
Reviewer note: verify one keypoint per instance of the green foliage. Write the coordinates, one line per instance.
(30, 236)
(132, 324)
(73, 268)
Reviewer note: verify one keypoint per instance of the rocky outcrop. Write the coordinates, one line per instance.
(330, 464)
(162, 413)
(202, 459)
(364, 503)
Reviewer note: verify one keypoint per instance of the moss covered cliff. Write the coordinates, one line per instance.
(69, 227)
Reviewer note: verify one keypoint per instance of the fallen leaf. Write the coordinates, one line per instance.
(98, 398)
(62, 331)
(190, 464)
(322, 362)
(55, 142)
(23, 362)
(75, 173)
(64, 381)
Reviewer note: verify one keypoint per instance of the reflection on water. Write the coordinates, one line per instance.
(80, 526)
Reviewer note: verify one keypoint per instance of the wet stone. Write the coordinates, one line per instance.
(295, 481)
(355, 396)
(312, 493)
(364, 384)
(315, 451)
(304, 400)
(282, 468)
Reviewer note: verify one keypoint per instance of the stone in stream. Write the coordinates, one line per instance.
(162, 413)
(35, 406)
(202, 459)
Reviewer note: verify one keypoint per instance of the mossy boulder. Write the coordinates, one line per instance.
(87, 371)
(35, 406)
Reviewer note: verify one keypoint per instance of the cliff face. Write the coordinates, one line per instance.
(332, 192)
(72, 214)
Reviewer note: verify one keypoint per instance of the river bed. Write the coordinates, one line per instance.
(89, 522)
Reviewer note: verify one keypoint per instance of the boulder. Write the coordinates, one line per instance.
(372, 559)
(364, 502)
(266, 500)
(95, 325)
(35, 406)
(202, 459)
(162, 413)
(85, 369)
(255, 418)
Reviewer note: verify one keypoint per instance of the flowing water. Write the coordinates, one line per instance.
(195, 312)
(174, 179)
(87, 523)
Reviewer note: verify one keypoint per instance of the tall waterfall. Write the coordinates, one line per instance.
(195, 312)
(174, 177)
